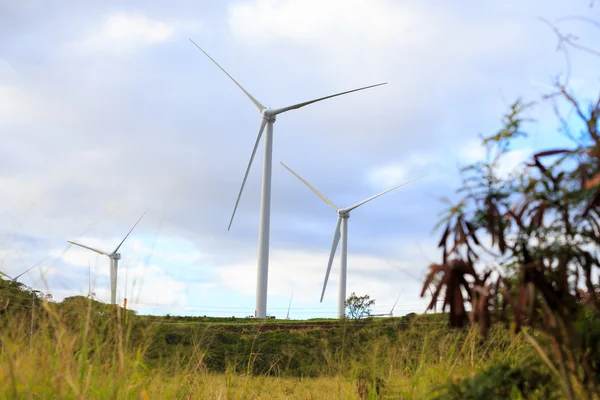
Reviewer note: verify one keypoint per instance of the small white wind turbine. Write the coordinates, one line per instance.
(24, 272)
(416, 279)
(341, 225)
(114, 261)
(391, 313)
(267, 119)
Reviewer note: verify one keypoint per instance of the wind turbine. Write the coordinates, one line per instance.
(416, 279)
(341, 224)
(114, 261)
(289, 306)
(267, 120)
(391, 313)
(24, 272)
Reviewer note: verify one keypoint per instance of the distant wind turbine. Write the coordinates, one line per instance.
(416, 279)
(289, 306)
(391, 313)
(114, 261)
(24, 272)
(341, 224)
(267, 119)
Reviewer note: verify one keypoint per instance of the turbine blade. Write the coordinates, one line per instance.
(300, 105)
(3, 274)
(89, 248)
(260, 132)
(325, 199)
(29, 269)
(380, 194)
(289, 306)
(336, 240)
(131, 230)
(391, 312)
(256, 102)
(407, 273)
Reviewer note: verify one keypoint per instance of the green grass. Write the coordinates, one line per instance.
(84, 350)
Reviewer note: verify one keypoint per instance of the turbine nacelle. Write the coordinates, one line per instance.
(269, 114)
(343, 213)
(115, 256)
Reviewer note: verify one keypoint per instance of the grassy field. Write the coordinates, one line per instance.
(80, 349)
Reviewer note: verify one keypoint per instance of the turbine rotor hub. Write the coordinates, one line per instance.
(343, 213)
(116, 256)
(267, 114)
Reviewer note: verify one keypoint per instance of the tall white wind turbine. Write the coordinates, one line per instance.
(114, 260)
(267, 119)
(341, 226)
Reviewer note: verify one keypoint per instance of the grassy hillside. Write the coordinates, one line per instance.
(84, 349)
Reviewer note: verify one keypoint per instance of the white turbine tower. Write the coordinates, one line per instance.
(341, 225)
(114, 261)
(90, 294)
(267, 119)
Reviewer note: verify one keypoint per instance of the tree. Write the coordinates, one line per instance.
(525, 248)
(359, 306)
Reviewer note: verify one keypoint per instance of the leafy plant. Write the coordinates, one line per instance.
(359, 306)
(524, 247)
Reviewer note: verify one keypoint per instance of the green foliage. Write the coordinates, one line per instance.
(499, 382)
(359, 306)
(16, 296)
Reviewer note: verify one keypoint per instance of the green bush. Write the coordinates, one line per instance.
(502, 381)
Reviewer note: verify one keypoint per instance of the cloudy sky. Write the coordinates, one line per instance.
(107, 109)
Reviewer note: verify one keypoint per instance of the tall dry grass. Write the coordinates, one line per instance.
(87, 353)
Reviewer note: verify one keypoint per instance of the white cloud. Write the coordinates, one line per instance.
(513, 161)
(472, 151)
(6, 70)
(302, 273)
(510, 162)
(20, 104)
(388, 174)
(394, 173)
(123, 32)
(385, 37)
(148, 285)
(310, 21)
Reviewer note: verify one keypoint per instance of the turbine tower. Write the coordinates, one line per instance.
(90, 294)
(267, 119)
(341, 225)
(114, 261)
